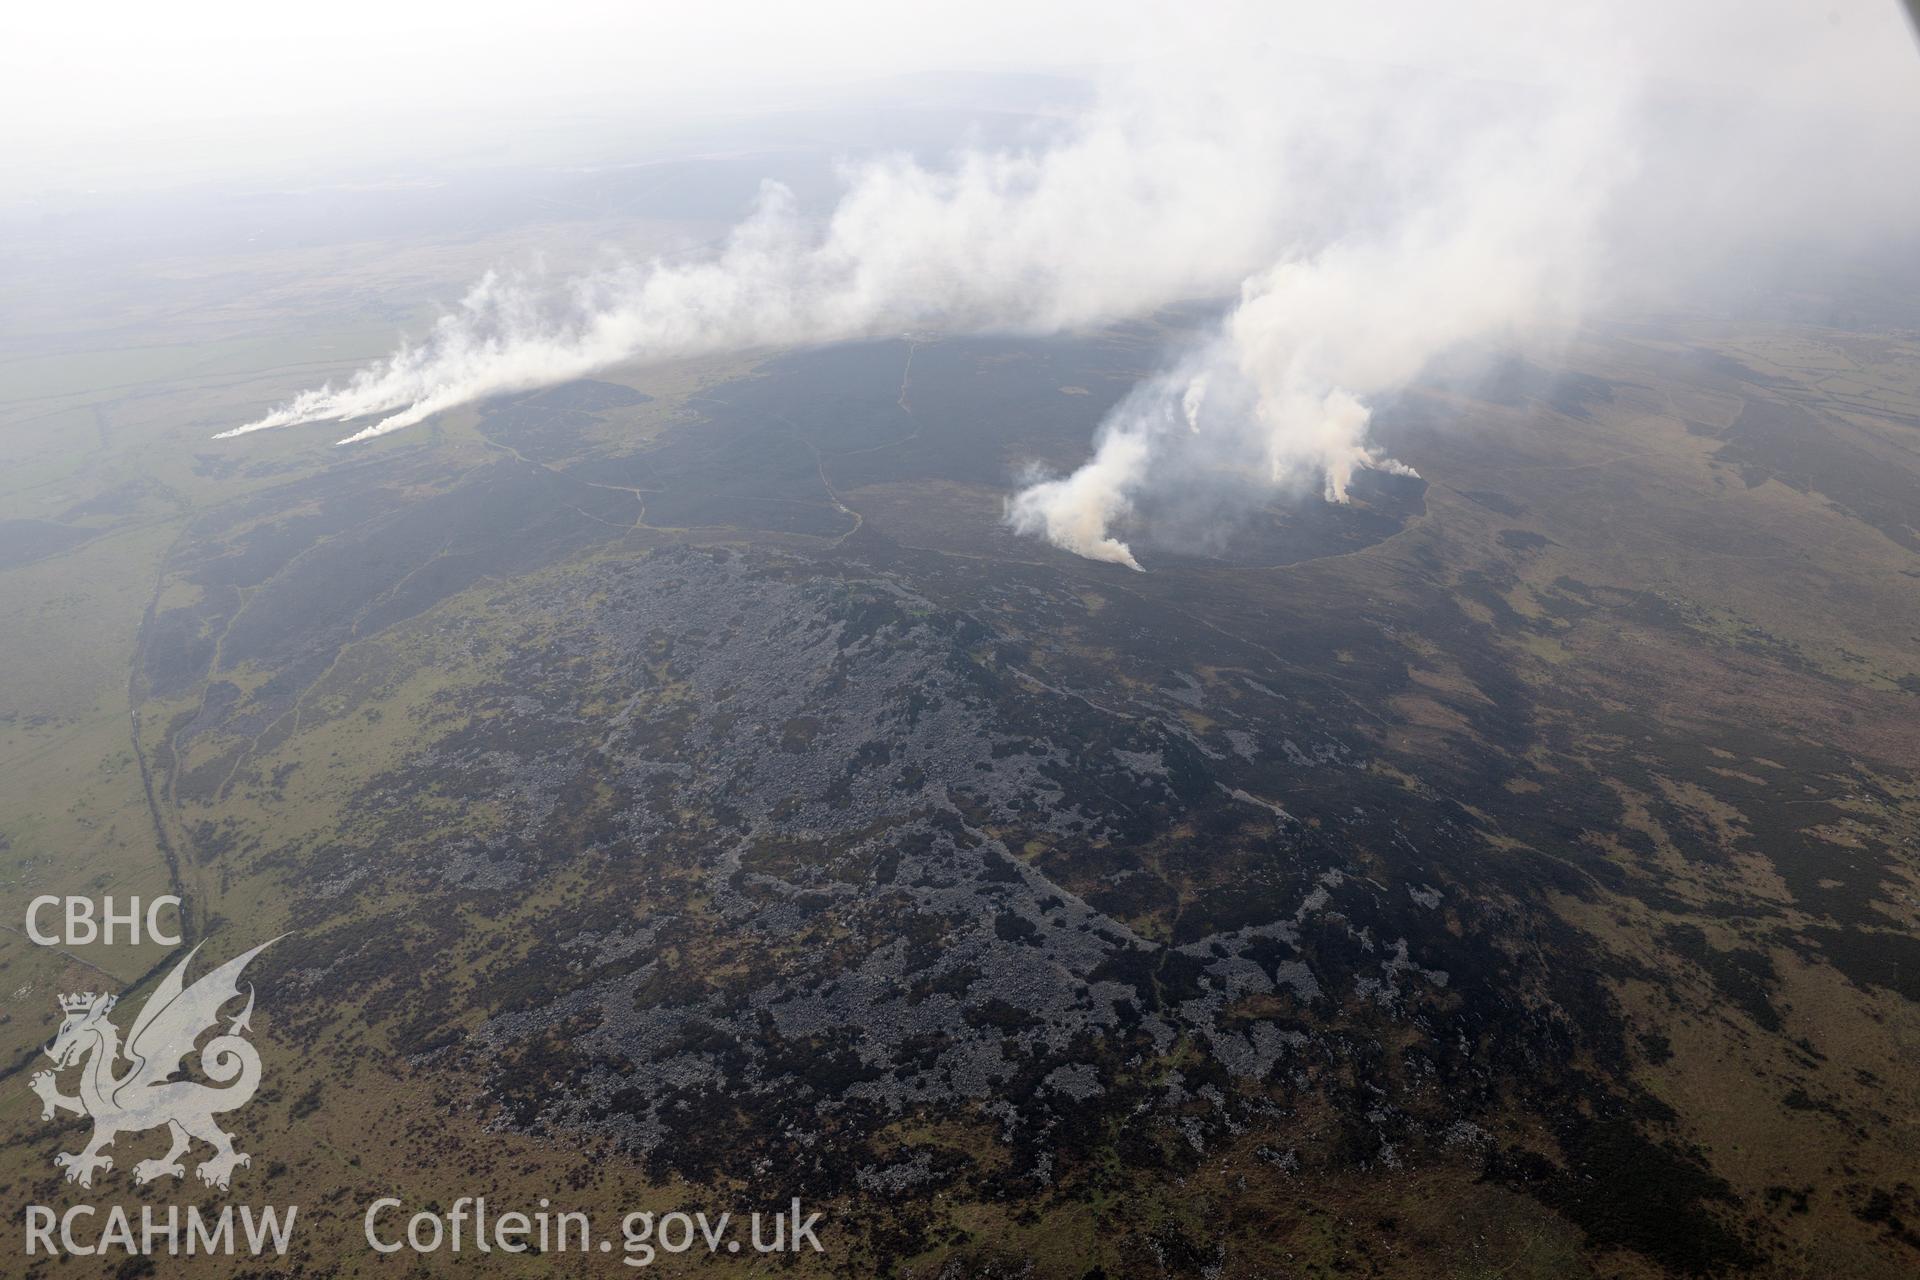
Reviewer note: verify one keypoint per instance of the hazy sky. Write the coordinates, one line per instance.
(105, 94)
(89, 93)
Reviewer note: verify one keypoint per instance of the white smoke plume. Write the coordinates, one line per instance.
(1124, 214)
(1282, 391)
(1378, 191)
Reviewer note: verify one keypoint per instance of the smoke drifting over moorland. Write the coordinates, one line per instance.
(1374, 194)
(1282, 390)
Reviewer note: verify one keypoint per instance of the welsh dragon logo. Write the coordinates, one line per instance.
(144, 1095)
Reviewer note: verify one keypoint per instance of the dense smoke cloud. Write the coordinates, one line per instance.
(1494, 244)
(1375, 204)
